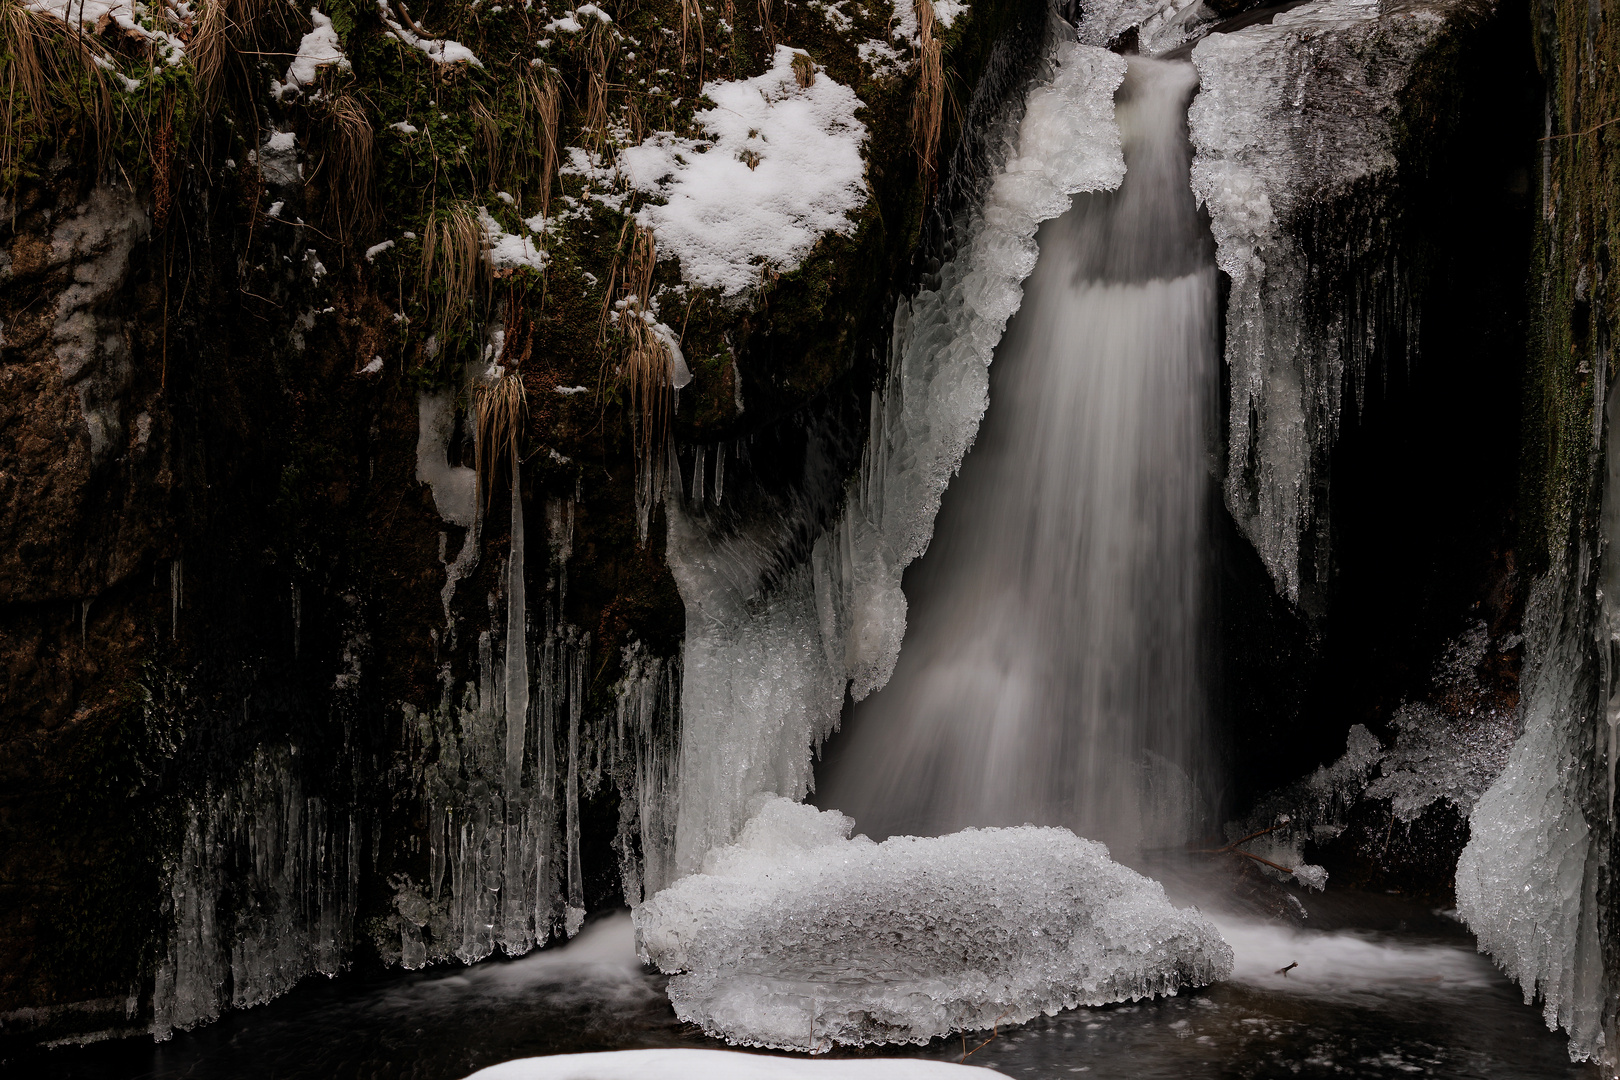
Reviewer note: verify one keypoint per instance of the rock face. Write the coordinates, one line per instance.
(1534, 881)
(302, 671)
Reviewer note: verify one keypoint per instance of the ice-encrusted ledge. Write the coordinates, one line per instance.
(1289, 117)
(799, 937)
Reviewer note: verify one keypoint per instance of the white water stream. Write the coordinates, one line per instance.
(1050, 671)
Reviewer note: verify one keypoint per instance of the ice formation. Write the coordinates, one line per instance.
(1449, 753)
(1451, 745)
(1527, 881)
(779, 168)
(838, 621)
(265, 839)
(687, 1064)
(799, 937)
(1290, 117)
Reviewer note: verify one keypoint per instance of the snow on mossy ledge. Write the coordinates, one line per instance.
(780, 169)
(798, 937)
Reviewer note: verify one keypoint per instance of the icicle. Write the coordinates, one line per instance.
(176, 589)
(298, 618)
(697, 475)
(576, 694)
(719, 471)
(517, 652)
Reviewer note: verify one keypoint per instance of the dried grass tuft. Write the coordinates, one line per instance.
(44, 63)
(500, 407)
(804, 70)
(453, 252)
(691, 14)
(644, 372)
(928, 106)
(349, 142)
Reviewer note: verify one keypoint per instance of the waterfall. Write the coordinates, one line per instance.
(1050, 671)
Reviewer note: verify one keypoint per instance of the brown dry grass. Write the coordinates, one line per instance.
(500, 407)
(928, 106)
(43, 63)
(539, 108)
(692, 14)
(644, 370)
(348, 144)
(453, 252)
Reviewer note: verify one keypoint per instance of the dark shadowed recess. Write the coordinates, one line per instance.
(1422, 487)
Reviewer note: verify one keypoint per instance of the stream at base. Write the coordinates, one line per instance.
(1384, 987)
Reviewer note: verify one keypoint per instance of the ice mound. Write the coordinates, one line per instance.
(799, 937)
(718, 1065)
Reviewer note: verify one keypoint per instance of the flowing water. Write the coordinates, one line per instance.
(1050, 671)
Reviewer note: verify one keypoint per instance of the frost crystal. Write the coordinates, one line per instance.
(798, 937)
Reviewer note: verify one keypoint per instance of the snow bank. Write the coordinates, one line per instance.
(799, 937)
(840, 620)
(318, 48)
(780, 168)
(128, 16)
(718, 1065)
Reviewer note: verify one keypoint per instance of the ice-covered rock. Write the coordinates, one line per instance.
(1290, 117)
(1527, 883)
(798, 936)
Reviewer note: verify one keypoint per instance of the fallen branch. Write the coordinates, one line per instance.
(1233, 849)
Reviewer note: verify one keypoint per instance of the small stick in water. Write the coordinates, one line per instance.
(1285, 970)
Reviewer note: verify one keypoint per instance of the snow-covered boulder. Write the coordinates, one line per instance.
(798, 936)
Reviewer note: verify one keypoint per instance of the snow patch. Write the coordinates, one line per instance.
(319, 48)
(798, 936)
(780, 168)
(439, 51)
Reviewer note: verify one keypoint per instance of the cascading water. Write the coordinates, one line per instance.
(1050, 672)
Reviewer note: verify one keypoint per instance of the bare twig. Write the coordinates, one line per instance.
(995, 1029)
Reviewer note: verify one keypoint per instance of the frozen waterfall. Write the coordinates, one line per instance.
(1050, 672)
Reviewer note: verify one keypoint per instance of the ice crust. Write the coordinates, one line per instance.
(799, 937)
(1290, 116)
(766, 669)
(686, 1064)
